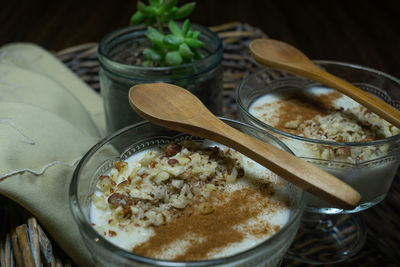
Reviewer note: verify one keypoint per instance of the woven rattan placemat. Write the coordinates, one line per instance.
(23, 242)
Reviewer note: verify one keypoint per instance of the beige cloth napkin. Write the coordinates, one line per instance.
(49, 119)
(34, 58)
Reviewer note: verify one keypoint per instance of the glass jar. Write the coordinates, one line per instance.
(202, 77)
(144, 135)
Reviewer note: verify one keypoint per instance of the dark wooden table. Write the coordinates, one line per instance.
(361, 32)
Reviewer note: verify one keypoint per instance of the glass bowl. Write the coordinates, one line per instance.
(133, 139)
(372, 177)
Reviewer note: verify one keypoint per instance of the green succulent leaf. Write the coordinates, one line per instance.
(137, 18)
(185, 51)
(185, 10)
(155, 36)
(146, 10)
(168, 15)
(172, 41)
(152, 55)
(168, 4)
(194, 42)
(185, 27)
(174, 28)
(195, 34)
(173, 58)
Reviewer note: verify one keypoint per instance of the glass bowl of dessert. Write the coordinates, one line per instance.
(150, 196)
(329, 130)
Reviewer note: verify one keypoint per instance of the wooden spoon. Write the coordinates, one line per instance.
(176, 108)
(282, 56)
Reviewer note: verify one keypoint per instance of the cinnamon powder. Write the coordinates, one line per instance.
(214, 231)
(303, 107)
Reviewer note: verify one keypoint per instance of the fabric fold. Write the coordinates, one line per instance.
(32, 138)
(49, 119)
(34, 58)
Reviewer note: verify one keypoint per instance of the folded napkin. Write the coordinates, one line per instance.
(49, 119)
(36, 59)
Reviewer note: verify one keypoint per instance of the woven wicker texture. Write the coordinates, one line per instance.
(24, 243)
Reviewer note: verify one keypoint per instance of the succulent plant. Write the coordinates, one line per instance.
(176, 46)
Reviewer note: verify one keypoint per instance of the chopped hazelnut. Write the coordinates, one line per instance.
(206, 208)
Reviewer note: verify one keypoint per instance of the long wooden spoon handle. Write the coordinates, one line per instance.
(281, 56)
(295, 170)
(373, 103)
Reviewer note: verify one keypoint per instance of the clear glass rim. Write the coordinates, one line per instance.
(343, 164)
(241, 106)
(117, 33)
(85, 226)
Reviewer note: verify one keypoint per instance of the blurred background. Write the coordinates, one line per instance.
(361, 32)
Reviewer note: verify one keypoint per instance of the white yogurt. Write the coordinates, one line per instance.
(274, 214)
(357, 166)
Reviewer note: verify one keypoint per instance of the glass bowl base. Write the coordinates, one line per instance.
(325, 239)
(315, 205)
